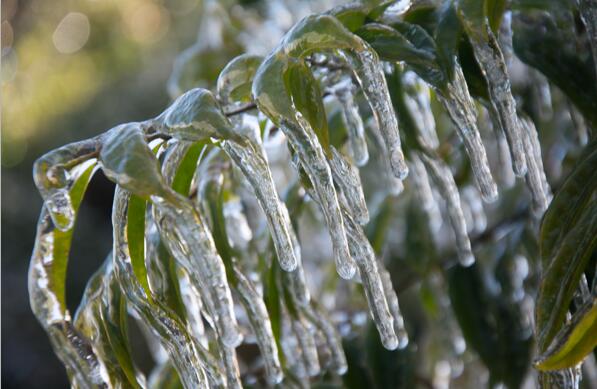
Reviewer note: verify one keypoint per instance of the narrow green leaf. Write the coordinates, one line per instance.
(569, 202)
(186, 170)
(560, 279)
(574, 342)
(63, 239)
(135, 230)
(271, 297)
(308, 100)
(447, 38)
(494, 9)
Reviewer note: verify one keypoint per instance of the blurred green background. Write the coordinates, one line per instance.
(70, 70)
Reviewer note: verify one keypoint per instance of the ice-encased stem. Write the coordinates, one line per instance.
(353, 122)
(491, 61)
(395, 185)
(461, 109)
(304, 335)
(367, 69)
(190, 359)
(425, 193)
(311, 154)
(535, 177)
(418, 101)
(261, 325)
(442, 176)
(346, 176)
(251, 159)
(394, 306)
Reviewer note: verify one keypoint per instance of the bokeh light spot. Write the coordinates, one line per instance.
(72, 33)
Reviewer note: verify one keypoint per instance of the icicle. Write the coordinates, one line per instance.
(230, 362)
(304, 335)
(393, 305)
(470, 196)
(578, 120)
(332, 337)
(261, 324)
(251, 159)
(425, 193)
(418, 101)
(507, 174)
(188, 356)
(395, 185)
(442, 176)
(460, 106)
(346, 176)
(492, 64)
(535, 177)
(370, 74)
(364, 257)
(345, 91)
(314, 162)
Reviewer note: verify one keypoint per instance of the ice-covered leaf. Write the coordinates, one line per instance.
(127, 159)
(135, 231)
(235, 80)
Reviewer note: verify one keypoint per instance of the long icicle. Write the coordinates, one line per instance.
(442, 176)
(346, 176)
(460, 106)
(535, 177)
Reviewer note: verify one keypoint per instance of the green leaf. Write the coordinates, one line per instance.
(307, 98)
(574, 342)
(352, 16)
(235, 80)
(392, 45)
(494, 9)
(570, 67)
(63, 239)
(271, 297)
(127, 160)
(197, 115)
(569, 202)
(473, 17)
(135, 230)
(186, 170)
(561, 277)
(447, 37)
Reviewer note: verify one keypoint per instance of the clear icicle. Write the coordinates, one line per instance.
(418, 100)
(492, 64)
(332, 337)
(190, 359)
(304, 334)
(471, 197)
(394, 306)
(252, 161)
(442, 176)
(507, 174)
(345, 91)
(460, 106)
(310, 151)
(369, 72)
(535, 177)
(425, 193)
(395, 185)
(346, 176)
(364, 257)
(190, 242)
(261, 324)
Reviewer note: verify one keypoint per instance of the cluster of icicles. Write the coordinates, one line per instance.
(146, 160)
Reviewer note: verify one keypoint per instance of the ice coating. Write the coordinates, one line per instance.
(535, 177)
(425, 193)
(461, 109)
(471, 197)
(250, 158)
(304, 335)
(442, 176)
(492, 64)
(186, 353)
(588, 12)
(346, 176)
(418, 100)
(370, 74)
(393, 305)
(261, 325)
(345, 91)
(395, 186)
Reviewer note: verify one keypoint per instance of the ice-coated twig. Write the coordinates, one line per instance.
(460, 106)
(190, 359)
(491, 61)
(394, 306)
(442, 176)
